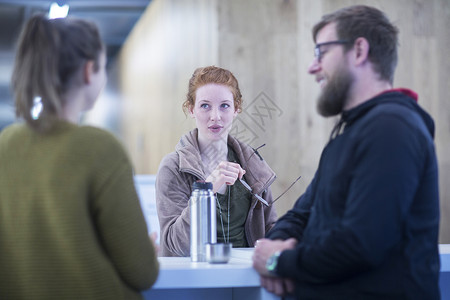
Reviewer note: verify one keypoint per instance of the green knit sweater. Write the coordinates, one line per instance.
(71, 226)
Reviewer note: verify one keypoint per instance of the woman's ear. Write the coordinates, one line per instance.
(191, 111)
(88, 70)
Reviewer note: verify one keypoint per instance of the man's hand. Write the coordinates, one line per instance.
(278, 286)
(265, 248)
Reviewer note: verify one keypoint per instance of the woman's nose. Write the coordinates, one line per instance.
(215, 114)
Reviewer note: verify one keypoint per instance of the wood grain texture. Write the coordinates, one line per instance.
(267, 44)
(168, 43)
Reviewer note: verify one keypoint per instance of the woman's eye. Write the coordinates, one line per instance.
(204, 105)
(224, 105)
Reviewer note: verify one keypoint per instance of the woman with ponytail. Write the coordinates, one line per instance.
(71, 226)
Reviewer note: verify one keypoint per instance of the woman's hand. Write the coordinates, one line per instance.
(153, 237)
(225, 173)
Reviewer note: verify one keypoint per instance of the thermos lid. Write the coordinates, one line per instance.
(202, 185)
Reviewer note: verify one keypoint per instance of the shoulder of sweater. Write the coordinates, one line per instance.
(96, 141)
(10, 129)
(95, 135)
(91, 131)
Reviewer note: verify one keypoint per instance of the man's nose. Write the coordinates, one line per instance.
(314, 66)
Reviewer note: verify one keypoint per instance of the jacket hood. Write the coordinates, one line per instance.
(404, 97)
(188, 152)
(258, 173)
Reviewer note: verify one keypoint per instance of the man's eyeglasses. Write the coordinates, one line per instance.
(318, 52)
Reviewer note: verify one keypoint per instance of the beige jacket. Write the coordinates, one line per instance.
(180, 169)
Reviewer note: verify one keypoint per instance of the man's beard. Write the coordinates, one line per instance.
(334, 95)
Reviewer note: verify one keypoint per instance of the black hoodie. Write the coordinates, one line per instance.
(368, 223)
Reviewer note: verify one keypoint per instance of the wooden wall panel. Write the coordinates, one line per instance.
(267, 44)
(262, 50)
(168, 43)
(439, 73)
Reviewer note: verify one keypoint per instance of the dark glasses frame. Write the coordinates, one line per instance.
(318, 53)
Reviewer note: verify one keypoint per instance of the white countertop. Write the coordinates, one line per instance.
(444, 250)
(180, 272)
(179, 278)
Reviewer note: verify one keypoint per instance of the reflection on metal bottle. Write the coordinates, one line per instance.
(203, 219)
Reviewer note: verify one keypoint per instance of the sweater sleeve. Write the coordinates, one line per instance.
(172, 201)
(118, 216)
(386, 169)
(293, 223)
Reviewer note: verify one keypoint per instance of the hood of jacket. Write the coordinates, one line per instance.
(404, 97)
(258, 173)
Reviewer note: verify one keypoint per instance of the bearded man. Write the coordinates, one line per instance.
(367, 225)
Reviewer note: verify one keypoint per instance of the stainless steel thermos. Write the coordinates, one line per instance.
(203, 219)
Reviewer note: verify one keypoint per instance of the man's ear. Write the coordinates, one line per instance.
(361, 47)
(88, 69)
